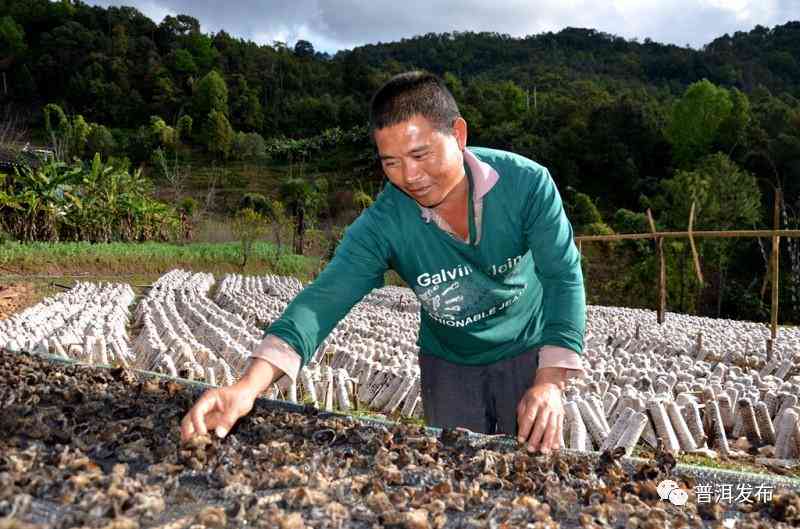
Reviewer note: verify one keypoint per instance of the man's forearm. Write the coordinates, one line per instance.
(259, 375)
(551, 375)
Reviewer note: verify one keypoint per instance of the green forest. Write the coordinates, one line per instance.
(154, 123)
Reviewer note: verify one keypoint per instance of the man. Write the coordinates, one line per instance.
(481, 237)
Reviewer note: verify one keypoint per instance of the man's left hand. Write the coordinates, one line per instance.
(540, 413)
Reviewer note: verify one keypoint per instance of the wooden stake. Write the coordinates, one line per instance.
(662, 271)
(682, 235)
(772, 270)
(694, 248)
(774, 264)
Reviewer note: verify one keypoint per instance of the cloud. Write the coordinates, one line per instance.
(333, 25)
(696, 22)
(151, 8)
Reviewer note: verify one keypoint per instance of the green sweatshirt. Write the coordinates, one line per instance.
(519, 287)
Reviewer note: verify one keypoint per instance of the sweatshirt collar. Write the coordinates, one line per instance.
(484, 177)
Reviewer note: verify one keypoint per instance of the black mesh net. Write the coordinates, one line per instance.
(98, 447)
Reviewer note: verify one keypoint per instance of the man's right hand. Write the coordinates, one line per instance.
(218, 409)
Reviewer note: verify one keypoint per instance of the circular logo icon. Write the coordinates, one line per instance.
(678, 497)
(665, 487)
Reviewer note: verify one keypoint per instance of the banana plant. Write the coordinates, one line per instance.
(92, 201)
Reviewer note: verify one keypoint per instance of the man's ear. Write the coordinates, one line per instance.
(460, 132)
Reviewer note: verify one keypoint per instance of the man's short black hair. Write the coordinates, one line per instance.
(409, 94)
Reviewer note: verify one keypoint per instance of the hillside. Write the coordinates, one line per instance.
(622, 125)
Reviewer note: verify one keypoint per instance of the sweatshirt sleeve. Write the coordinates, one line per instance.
(357, 267)
(557, 264)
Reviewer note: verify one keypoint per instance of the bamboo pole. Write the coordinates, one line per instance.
(776, 240)
(662, 272)
(695, 234)
(695, 257)
(776, 233)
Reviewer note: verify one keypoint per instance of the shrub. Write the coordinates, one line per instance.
(627, 221)
(598, 228)
(258, 203)
(185, 127)
(248, 226)
(361, 200)
(248, 146)
(100, 140)
(91, 201)
(218, 134)
(584, 212)
(189, 206)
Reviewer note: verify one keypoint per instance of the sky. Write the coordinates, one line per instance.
(342, 24)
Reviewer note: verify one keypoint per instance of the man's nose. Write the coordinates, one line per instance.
(411, 173)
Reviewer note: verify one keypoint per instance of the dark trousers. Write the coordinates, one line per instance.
(480, 398)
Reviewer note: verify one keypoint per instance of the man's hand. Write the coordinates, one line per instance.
(218, 409)
(540, 413)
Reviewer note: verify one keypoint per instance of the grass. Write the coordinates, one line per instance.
(149, 258)
(358, 411)
(738, 465)
(366, 413)
(232, 179)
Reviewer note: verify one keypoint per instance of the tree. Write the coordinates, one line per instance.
(258, 203)
(695, 120)
(303, 49)
(734, 130)
(55, 120)
(100, 140)
(67, 135)
(281, 222)
(303, 200)
(12, 38)
(183, 24)
(361, 200)
(165, 95)
(586, 218)
(623, 143)
(12, 45)
(119, 40)
(185, 127)
(725, 197)
(170, 171)
(248, 146)
(219, 134)
(183, 62)
(210, 95)
(248, 227)
(202, 49)
(164, 135)
(455, 86)
(245, 106)
(25, 85)
(584, 211)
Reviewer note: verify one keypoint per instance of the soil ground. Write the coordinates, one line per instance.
(16, 297)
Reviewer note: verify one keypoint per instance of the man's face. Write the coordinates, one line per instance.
(423, 162)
